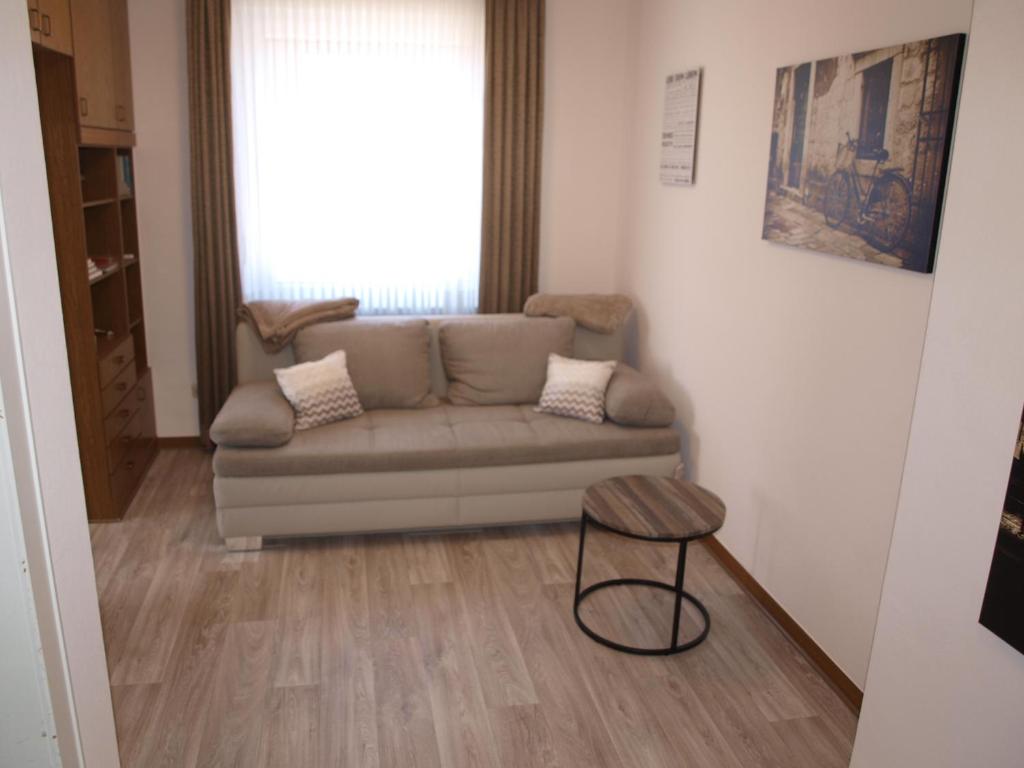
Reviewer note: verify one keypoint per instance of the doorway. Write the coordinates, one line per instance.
(801, 88)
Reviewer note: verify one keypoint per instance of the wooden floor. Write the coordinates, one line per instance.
(432, 650)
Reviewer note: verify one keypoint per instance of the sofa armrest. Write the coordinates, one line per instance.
(256, 415)
(634, 400)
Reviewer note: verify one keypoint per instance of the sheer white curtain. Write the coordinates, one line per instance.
(358, 140)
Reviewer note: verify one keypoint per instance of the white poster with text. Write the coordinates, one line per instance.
(679, 130)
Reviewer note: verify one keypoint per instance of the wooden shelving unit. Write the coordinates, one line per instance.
(92, 200)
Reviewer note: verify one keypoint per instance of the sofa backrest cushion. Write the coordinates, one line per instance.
(501, 359)
(388, 359)
(256, 364)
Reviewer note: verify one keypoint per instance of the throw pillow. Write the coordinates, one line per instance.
(320, 392)
(576, 388)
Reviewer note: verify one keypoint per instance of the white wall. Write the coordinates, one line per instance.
(943, 691)
(794, 372)
(587, 80)
(160, 85)
(40, 421)
(27, 731)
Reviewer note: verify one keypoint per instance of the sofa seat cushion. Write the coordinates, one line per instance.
(449, 437)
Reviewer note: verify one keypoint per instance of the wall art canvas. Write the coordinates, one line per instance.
(1002, 610)
(859, 151)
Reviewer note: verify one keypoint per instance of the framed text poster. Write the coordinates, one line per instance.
(679, 129)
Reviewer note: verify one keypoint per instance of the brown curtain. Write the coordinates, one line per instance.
(513, 123)
(217, 284)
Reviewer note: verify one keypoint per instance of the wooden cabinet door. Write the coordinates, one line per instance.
(122, 66)
(55, 25)
(33, 21)
(93, 34)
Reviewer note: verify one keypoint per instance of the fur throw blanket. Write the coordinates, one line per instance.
(277, 322)
(600, 312)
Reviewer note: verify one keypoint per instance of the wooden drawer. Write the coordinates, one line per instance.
(115, 423)
(114, 363)
(126, 475)
(138, 398)
(114, 392)
(132, 450)
(124, 442)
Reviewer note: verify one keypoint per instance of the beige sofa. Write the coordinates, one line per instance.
(441, 464)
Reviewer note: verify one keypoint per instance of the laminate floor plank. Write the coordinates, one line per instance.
(235, 724)
(463, 732)
(291, 737)
(427, 559)
(348, 708)
(495, 649)
(405, 727)
(443, 650)
(298, 650)
(560, 677)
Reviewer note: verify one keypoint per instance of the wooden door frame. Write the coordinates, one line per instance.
(41, 425)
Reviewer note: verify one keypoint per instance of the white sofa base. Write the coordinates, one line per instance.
(318, 505)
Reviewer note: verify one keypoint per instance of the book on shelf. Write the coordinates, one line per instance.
(125, 182)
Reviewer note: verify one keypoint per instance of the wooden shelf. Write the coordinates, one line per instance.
(108, 272)
(86, 120)
(101, 201)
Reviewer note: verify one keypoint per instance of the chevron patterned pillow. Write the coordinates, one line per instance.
(320, 392)
(575, 388)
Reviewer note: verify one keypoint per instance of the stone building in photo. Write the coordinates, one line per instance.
(895, 100)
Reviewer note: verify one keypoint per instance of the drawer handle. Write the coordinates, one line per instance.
(124, 413)
(140, 395)
(121, 386)
(83, 106)
(33, 19)
(129, 465)
(126, 439)
(120, 113)
(119, 359)
(46, 25)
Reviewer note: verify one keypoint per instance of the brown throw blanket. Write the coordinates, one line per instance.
(600, 312)
(277, 322)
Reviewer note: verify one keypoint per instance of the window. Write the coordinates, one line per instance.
(358, 141)
(874, 109)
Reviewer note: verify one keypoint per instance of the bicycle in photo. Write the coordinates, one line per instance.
(878, 204)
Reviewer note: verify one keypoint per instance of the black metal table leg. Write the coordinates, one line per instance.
(579, 558)
(680, 570)
(679, 593)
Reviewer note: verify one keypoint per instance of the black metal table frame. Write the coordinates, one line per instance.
(680, 594)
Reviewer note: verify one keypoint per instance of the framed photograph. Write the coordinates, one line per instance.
(1002, 610)
(859, 152)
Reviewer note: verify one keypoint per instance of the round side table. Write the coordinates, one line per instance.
(658, 509)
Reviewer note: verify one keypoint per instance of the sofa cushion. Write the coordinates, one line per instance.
(444, 438)
(634, 400)
(575, 388)
(502, 360)
(320, 391)
(388, 360)
(255, 415)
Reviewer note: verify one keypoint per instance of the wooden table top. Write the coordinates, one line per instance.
(658, 508)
